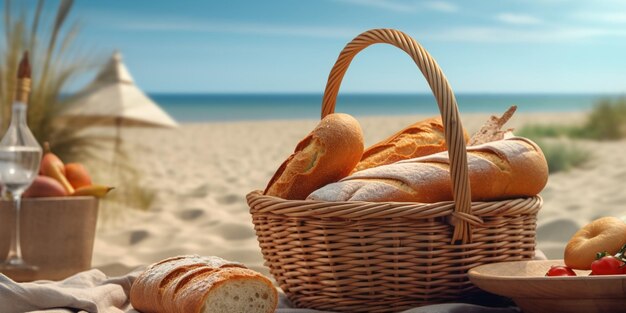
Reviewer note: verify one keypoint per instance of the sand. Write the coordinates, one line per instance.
(201, 173)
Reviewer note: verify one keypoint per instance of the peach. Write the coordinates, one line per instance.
(52, 166)
(77, 175)
(50, 161)
(44, 186)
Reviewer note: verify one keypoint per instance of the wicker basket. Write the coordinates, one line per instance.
(388, 257)
(57, 235)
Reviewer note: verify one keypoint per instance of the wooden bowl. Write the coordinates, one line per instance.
(525, 282)
(57, 235)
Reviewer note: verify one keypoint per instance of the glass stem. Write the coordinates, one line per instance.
(15, 250)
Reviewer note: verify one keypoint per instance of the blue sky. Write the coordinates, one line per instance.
(290, 45)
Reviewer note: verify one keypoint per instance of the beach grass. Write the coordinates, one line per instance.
(548, 131)
(57, 61)
(606, 121)
(131, 193)
(563, 155)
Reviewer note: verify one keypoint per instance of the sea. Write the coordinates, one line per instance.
(187, 108)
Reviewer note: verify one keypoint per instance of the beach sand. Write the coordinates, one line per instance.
(201, 173)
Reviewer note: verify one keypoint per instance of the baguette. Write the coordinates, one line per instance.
(194, 284)
(419, 139)
(326, 155)
(510, 168)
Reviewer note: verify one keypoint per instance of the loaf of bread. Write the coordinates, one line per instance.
(326, 155)
(194, 284)
(510, 168)
(419, 139)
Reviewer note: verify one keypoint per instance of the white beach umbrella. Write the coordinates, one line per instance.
(113, 99)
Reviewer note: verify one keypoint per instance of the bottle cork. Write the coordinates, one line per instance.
(23, 80)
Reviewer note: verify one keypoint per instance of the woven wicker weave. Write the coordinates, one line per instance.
(388, 257)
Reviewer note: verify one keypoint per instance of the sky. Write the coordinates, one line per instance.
(483, 46)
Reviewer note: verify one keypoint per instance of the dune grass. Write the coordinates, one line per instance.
(57, 61)
(562, 153)
(132, 191)
(606, 121)
(548, 131)
(563, 156)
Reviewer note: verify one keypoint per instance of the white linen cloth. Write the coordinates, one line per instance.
(89, 291)
(92, 291)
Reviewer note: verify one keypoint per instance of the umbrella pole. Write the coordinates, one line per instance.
(118, 141)
(115, 172)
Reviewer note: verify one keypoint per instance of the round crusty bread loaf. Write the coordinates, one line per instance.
(194, 284)
(326, 155)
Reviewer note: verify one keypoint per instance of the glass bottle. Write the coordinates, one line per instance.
(20, 157)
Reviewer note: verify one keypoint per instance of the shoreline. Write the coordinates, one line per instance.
(357, 115)
(253, 107)
(470, 121)
(571, 117)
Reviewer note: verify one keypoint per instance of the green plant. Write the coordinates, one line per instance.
(130, 191)
(547, 131)
(56, 62)
(563, 155)
(607, 120)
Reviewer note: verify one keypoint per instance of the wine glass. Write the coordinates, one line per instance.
(20, 157)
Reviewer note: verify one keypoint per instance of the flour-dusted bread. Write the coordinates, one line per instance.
(419, 139)
(326, 155)
(503, 169)
(194, 284)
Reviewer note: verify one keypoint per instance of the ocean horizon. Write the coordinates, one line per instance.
(189, 107)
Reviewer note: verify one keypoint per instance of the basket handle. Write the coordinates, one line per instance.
(462, 217)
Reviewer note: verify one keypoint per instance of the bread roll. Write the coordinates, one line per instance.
(502, 169)
(326, 155)
(194, 284)
(604, 234)
(422, 138)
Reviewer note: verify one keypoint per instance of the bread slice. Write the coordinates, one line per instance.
(194, 284)
(239, 290)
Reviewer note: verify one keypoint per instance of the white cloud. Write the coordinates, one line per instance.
(384, 4)
(463, 32)
(239, 28)
(518, 19)
(441, 6)
(603, 17)
(504, 35)
(406, 6)
(452, 34)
